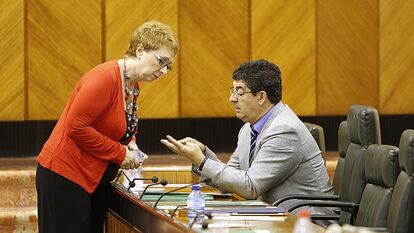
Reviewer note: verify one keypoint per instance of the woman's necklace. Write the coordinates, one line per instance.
(131, 106)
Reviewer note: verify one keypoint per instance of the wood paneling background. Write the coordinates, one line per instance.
(63, 42)
(347, 42)
(12, 87)
(396, 57)
(284, 32)
(211, 48)
(331, 53)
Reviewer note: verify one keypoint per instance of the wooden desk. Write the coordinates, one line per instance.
(129, 214)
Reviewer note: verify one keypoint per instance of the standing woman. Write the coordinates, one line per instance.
(90, 140)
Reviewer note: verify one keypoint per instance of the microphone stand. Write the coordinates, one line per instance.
(171, 191)
(198, 214)
(176, 208)
(162, 195)
(163, 183)
(154, 179)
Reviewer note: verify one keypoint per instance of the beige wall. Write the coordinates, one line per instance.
(332, 53)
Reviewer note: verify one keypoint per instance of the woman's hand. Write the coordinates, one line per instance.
(130, 161)
(132, 145)
(188, 148)
(134, 148)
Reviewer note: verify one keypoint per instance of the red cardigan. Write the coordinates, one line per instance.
(86, 136)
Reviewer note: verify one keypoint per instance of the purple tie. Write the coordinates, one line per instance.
(253, 137)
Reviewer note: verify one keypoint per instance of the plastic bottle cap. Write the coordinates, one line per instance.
(304, 213)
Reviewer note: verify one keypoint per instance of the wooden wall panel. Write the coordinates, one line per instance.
(173, 177)
(347, 62)
(215, 40)
(64, 42)
(397, 57)
(160, 98)
(12, 101)
(115, 224)
(332, 53)
(284, 33)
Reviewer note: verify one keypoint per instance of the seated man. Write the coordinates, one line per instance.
(275, 155)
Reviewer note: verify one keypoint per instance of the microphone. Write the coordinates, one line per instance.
(176, 208)
(154, 179)
(198, 214)
(204, 224)
(162, 182)
(174, 190)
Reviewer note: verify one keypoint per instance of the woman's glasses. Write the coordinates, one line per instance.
(163, 62)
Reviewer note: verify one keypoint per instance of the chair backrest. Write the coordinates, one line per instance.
(401, 212)
(364, 130)
(343, 143)
(381, 172)
(319, 136)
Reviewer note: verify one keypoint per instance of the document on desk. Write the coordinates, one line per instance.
(235, 203)
(227, 225)
(249, 218)
(176, 197)
(138, 191)
(161, 191)
(249, 211)
(210, 204)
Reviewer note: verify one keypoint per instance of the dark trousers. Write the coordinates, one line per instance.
(64, 206)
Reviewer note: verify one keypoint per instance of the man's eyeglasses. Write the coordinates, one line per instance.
(162, 61)
(238, 93)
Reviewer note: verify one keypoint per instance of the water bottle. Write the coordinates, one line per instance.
(303, 223)
(195, 204)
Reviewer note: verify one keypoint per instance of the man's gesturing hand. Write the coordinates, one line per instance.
(188, 148)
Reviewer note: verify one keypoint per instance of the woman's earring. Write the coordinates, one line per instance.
(138, 54)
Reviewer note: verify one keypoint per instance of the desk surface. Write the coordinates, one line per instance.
(141, 216)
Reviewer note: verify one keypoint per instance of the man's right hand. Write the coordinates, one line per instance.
(192, 140)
